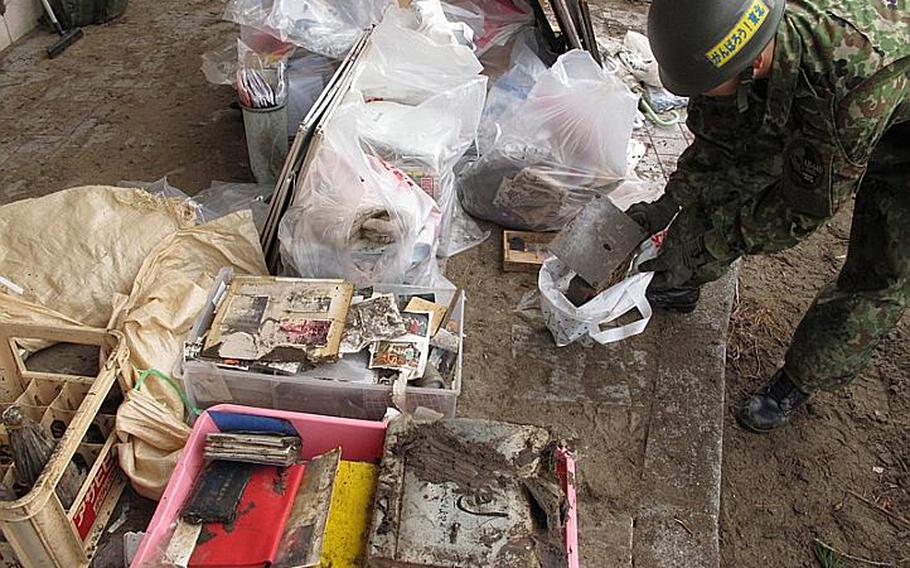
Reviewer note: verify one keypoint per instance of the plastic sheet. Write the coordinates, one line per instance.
(327, 27)
(219, 199)
(564, 144)
(223, 198)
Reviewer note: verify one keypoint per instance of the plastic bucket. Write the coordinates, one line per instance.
(266, 140)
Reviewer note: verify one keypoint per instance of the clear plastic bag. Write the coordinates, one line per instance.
(327, 27)
(428, 110)
(403, 64)
(509, 91)
(358, 217)
(564, 144)
(494, 22)
(425, 141)
(222, 198)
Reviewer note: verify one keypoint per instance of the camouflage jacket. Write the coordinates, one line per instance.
(840, 78)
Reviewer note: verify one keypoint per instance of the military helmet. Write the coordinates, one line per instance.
(700, 44)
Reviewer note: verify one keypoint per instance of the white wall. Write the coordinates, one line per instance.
(21, 16)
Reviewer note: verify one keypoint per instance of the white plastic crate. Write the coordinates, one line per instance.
(331, 390)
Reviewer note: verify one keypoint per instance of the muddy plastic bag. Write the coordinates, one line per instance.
(356, 216)
(564, 144)
(425, 142)
(569, 323)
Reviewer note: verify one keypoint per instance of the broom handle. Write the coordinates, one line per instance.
(52, 16)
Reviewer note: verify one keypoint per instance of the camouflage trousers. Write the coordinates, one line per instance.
(848, 318)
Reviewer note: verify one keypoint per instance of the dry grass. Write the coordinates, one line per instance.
(756, 340)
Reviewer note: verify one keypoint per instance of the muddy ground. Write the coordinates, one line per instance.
(81, 119)
(784, 490)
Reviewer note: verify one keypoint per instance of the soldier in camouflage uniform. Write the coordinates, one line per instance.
(796, 108)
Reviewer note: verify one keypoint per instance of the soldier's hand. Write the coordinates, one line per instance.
(654, 217)
(682, 253)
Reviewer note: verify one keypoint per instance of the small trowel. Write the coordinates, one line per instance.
(596, 244)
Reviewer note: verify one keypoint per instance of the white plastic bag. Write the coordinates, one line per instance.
(424, 96)
(425, 141)
(358, 217)
(569, 323)
(327, 27)
(494, 22)
(564, 144)
(403, 64)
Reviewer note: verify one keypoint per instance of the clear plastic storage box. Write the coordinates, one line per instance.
(342, 389)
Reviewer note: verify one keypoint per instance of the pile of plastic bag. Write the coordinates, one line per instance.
(551, 153)
(378, 201)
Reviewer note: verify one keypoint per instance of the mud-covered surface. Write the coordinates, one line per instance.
(434, 453)
(473, 471)
(784, 490)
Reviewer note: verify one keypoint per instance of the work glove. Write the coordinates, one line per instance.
(654, 217)
(683, 252)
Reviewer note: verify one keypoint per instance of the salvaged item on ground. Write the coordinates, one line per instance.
(599, 244)
(524, 251)
(32, 448)
(392, 335)
(280, 320)
(264, 449)
(262, 88)
(465, 493)
(53, 522)
(298, 530)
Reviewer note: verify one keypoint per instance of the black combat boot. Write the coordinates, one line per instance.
(773, 406)
(679, 300)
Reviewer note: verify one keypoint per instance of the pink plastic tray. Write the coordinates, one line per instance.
(360, 440)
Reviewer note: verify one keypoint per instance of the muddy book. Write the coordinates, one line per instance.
(466, 493)
(264, 318)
